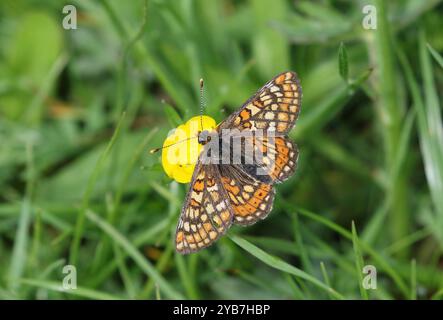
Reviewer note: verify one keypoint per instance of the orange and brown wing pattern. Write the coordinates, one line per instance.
(274, 107)
(250, 199)
(206, 214)
(277, 160)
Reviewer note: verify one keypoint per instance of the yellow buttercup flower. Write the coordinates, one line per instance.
(181, 148)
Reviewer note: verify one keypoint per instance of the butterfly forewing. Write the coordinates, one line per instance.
(206, 214)
(274, 107)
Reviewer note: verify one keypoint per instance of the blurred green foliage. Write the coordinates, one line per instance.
(79, 109)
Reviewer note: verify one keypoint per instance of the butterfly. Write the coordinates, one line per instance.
(224, 194)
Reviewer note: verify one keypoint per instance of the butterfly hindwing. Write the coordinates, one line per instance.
(206, 214)
(251, 199)
(274, 107)
(277, 161)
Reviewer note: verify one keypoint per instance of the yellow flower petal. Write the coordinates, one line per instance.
(181, 148)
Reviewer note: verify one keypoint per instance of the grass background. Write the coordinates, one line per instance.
(79, 109)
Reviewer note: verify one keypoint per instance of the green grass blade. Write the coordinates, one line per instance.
(127, 172)
(36, 239)
(359, 263)
(300, 245)
(165, 193)
(113, 214)
(343, 67)
(298, 294)
(138, 258)
(436, 55)
(325, 276)
(413, 280)
(183, 271)
(391, 112)
(79, 291)
(408, 241)
(19, 256)
(429, 135)
(380, 260)
(161, 70)
(433, 109)
(281, 265)
(328, 108)
(161, 265)
(438, 295)
(80, 224)
(124, 273)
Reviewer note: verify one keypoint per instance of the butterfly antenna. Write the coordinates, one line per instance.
(202, 106)
(152, 151)
(202, 103)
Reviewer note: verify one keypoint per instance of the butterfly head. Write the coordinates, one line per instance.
(204, 137)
